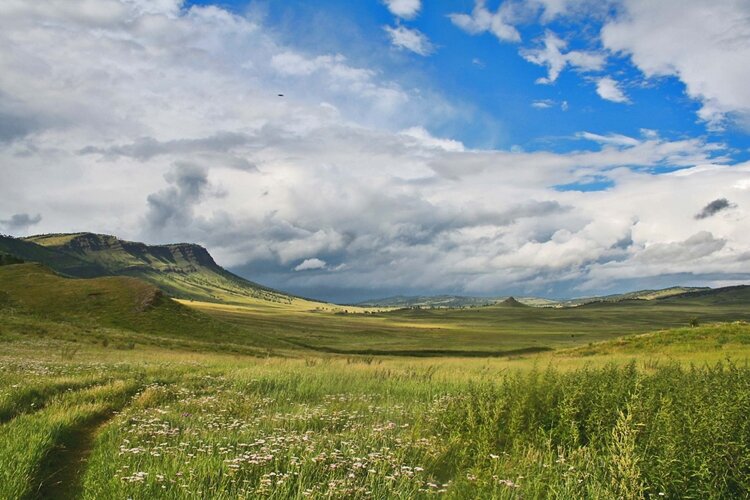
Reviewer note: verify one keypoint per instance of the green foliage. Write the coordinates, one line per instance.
(334, 429)
(6, 260)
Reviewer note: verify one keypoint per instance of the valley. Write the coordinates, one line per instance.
(129, 372)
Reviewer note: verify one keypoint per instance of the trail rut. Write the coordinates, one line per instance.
(60, 474)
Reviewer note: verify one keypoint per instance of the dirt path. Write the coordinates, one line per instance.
(60, 474)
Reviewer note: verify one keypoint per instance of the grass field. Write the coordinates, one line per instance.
(492, 330)
(656, 415)
(109, 389)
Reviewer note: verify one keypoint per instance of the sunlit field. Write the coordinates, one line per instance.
(657, 415)
(109, 389)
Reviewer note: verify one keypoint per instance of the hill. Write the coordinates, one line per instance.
(512, 302)
(463, 301)
(428, 301)
(636, 295)
(61, 262)
(449, 301)
(183, 270)
(701, 340)
(35, 300)
(7, 259)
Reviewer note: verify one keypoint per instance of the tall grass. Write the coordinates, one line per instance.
(287, 430)
(27, 440)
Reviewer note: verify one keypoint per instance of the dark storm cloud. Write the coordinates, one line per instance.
(20, 222)
(174, 205)
(699, 245)
(14, 127)
(713, 208)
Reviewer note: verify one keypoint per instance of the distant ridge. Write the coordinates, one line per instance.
(449, 301)
(460, 301)
(184, 270)
(512, 302)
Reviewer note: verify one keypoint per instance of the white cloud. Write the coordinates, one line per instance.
(609, 89)
(409, 39)
(553, 9)
(424, 138)
(406, 9)
(310, 264)
(552, 56)
(543, 103)
(612, 139)
(168, 126)
(482, 20)
(705, 45)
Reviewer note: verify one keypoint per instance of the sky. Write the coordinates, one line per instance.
(351, 150)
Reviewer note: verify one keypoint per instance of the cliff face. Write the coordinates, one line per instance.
(183, 270)
(119, 254)
(190, 252)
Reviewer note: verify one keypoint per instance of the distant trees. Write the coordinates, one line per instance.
(6, 259)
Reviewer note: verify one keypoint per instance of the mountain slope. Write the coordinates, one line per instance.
(35, 300)
(183, 270)
(68, 265)
(636, 295)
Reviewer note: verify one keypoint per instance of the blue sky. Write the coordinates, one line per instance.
(555, 148)
(490, 76)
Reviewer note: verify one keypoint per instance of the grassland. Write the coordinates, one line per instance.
(494, 330)
(655, 415)
(109, 389)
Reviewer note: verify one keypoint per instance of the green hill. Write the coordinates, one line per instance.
(183, 270)
(33, 299)
(701, 339)
(61, 262)
(7, 259)
(636, 295)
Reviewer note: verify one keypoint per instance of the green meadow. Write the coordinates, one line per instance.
(109, 388)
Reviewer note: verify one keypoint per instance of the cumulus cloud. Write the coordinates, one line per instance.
(553, 9)
(159, 122)
(19, 223)
(609, 90)
(552, 55)
(698, 245)
(482, 20)
(174, 205)
(410, 39)
(706, 46)
(713, 208)
(310, 264)
(406, 9)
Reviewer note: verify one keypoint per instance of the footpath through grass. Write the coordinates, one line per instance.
(179, 426)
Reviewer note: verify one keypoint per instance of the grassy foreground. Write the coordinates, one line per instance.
(629, 418)
(109, 389)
